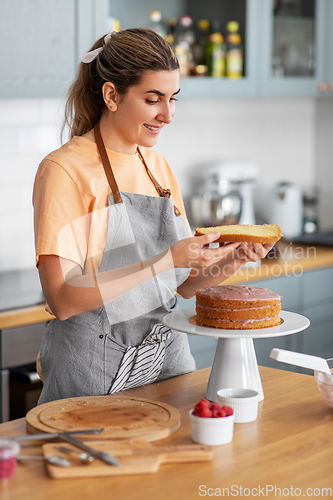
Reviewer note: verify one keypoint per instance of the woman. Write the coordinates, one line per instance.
(112, 246)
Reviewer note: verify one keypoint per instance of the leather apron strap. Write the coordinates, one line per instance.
(107, 165)
(164, 193)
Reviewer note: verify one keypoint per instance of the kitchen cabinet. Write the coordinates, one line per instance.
(19, 347)
(329, 45)
(317, 305)
(296, 55)
(309, 294)
(202, 348)
(259, 27)
(41, 42)
(244, 11)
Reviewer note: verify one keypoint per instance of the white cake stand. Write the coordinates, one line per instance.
(235, 362)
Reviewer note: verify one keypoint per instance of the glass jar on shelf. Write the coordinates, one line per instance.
(234, 51)
(156, 23)
(183, 45)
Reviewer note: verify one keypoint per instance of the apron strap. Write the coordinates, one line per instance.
(107, 165)
(164, 193)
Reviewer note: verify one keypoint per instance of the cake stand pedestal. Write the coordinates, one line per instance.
(235, 362)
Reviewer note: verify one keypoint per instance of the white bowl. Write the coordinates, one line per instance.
(325, 383)
(244, 402)
(212, 431)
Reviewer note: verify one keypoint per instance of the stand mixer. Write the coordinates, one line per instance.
(226, 195)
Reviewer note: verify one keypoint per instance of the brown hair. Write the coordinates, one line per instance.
(123, 60)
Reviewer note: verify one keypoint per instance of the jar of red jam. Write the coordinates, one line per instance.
(9, 450)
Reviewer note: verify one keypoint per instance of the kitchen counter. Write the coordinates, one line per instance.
(289, 446)
(293, 260)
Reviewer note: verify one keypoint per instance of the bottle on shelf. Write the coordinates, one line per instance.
(156, 23)
(171, 32)
(215, 52)
(183, 46)
(199, 46)
(234, 51)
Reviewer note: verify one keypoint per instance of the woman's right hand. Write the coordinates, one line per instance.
(194, 252)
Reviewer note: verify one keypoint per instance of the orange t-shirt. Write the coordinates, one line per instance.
(70, 197)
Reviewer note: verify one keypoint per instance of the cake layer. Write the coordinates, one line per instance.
(235, 307)
(236, 297)
(250, 324)
(267, 233)
(248, 313)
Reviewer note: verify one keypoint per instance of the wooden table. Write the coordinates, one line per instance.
(287, 451)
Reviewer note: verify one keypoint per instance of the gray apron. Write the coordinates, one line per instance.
(123, 344)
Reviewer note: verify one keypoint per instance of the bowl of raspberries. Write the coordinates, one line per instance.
(211, 423)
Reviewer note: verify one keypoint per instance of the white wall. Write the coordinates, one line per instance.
(29, 129)
(277, 134)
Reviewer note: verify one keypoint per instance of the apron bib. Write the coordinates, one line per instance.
(123, 344)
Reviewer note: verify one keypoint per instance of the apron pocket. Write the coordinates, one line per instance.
(142, 364)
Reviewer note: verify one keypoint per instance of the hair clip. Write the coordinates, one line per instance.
(90, 56)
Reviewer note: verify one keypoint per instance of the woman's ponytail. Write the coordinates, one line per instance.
(81, 113)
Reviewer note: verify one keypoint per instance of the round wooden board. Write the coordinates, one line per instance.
(121, 417)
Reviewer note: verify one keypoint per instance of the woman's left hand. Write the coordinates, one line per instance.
(252, 252)
(222, 265)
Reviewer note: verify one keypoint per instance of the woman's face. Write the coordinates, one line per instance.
(141, 114)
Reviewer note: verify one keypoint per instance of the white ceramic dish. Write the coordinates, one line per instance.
(212, 431)
(244, 402)
(290, 323)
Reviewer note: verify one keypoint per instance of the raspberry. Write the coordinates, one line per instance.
(217, 413)
(206, 413)
(204, 403)
(215, 406)
(228, 410)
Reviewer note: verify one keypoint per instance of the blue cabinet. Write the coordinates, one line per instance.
(296, 58)
(317, 305)
(202, 348)
(41, 44)
(308, 39)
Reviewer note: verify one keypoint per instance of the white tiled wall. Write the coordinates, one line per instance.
(279, 135)
(29, 129)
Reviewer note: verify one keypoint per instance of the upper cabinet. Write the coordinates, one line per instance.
(296, 39)
(41, 42)
(287, 44)
(220, 12)
(329, 41)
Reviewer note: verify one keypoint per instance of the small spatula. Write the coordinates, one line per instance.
(299, 359)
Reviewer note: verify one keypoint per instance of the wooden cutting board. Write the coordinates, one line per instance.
(135, 457)
(121, 417)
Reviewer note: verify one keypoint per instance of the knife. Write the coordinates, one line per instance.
(47, 435)
(106, 457)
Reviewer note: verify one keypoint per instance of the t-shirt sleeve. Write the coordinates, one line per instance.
(60, 214)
